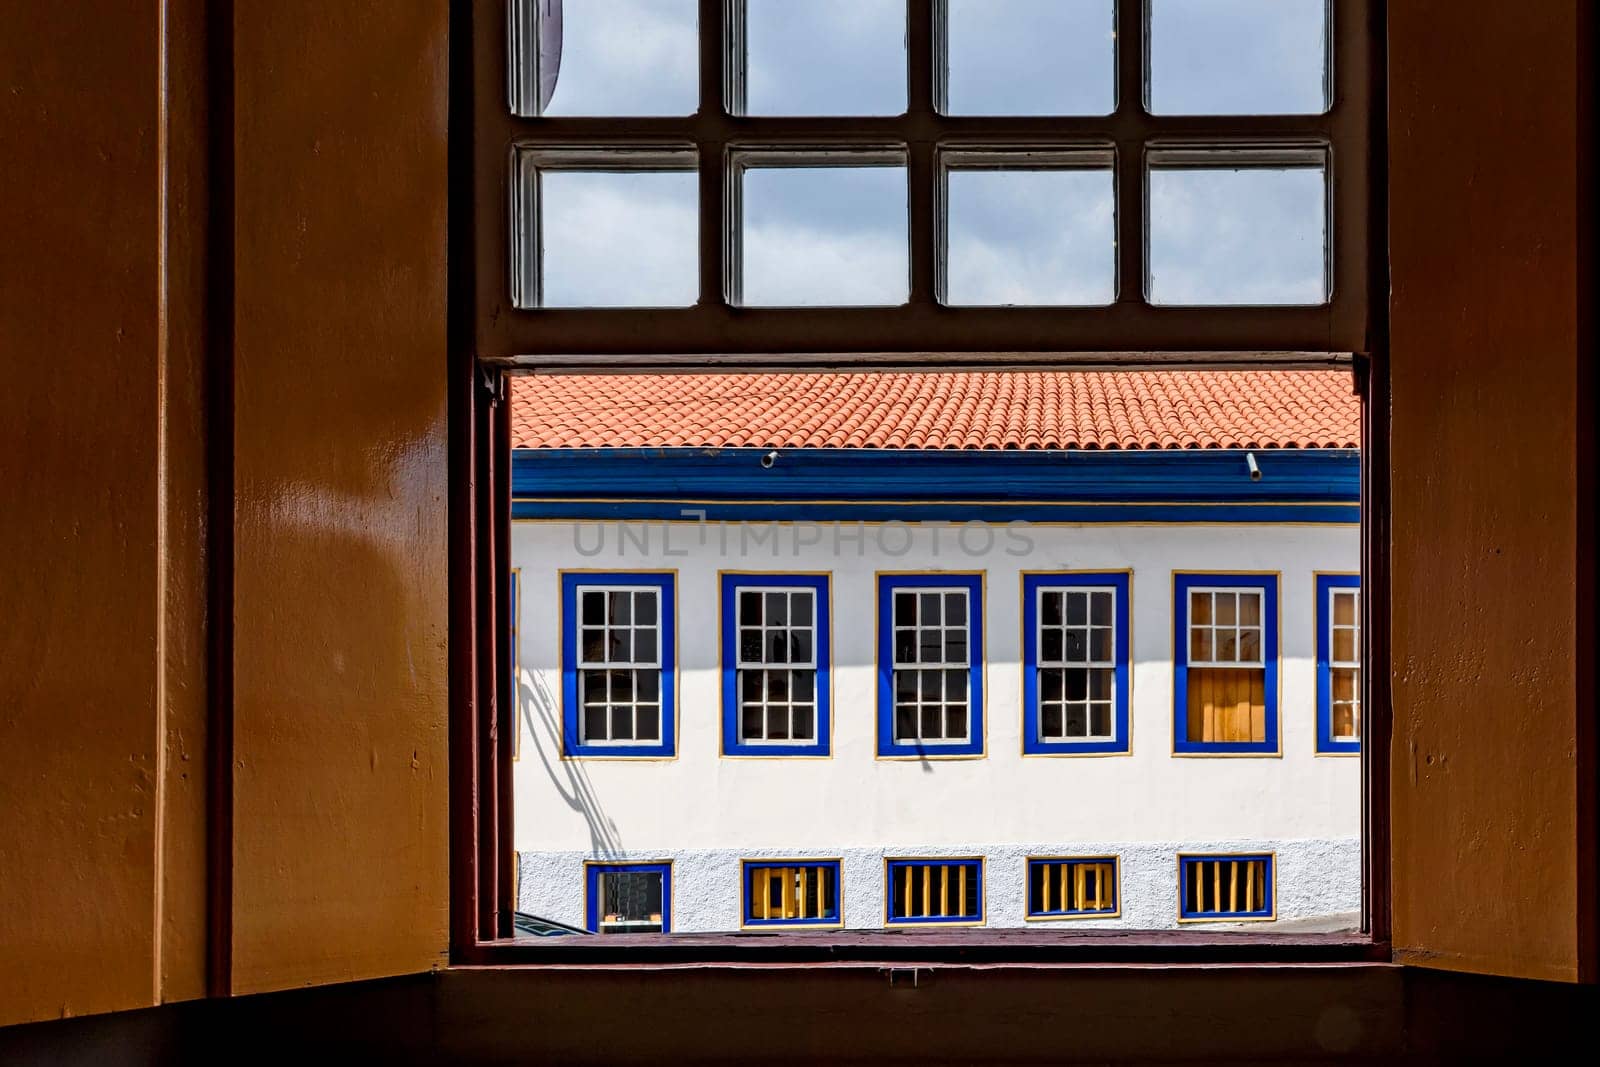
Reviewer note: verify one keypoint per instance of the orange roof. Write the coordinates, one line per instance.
(1010, 409)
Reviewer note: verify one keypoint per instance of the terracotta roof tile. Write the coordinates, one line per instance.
(998, 410)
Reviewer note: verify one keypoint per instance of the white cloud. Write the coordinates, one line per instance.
(628, 57)
(618, 240)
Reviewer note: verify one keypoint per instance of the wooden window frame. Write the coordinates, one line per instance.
(820, 585)
(977, 864)
(1326, 585)
(594, 870)
(717, 330)
(1061, 914)
(1269, 585)
(1268, 912)
(487, 339)
(749, 920)
(971, 585)
(1120, 585)
(573, 584)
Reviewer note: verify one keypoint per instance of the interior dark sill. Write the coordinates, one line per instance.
(923, 946)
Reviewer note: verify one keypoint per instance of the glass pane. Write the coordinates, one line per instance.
(805, 727)
(830, 236)
(1344, 609)
(1250, 609)
(777, 609)
(1101, 612)
(622, 722)
(617, 57)
(1226, 605)
(1238, 57)
(955, 720)
(1100, 719)
(905, 609)
(644, 607)
(1253, 235)
(1050, 608)
(1344, 645)
(825, 57)
(1031, 57)
(1041, 237)
(778, 723)
(1077, 720)
(649, 720)
(619, 239)
(1050, 720)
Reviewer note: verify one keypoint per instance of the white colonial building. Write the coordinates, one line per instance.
(911, 649)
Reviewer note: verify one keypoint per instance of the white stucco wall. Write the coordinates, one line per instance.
(704, 811)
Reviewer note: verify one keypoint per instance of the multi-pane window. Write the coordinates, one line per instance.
(1338, 663)
(791, 892)
(1073, 888)
(1052, 157)
(1225, 660)
(618, 664)
(775, 661)
(629, 898)
(1075, 663)
(933, 891)
(1226, 888)
(930, 665)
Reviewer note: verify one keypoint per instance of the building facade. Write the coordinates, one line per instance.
(896, 678)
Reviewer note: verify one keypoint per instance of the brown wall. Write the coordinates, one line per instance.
(1484, 209)
(338, 799)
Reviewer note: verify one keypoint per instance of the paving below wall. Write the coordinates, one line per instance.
(1315, 879)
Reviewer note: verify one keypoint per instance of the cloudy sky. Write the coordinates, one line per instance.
(822, 236)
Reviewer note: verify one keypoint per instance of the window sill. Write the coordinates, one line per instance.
(930, 946)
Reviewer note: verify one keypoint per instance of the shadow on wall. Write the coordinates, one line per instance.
(542, 710)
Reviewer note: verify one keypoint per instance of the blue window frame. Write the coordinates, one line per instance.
(933, 889)
(1074, 887)
(776, 665)
(1225, 664)
(1338, 664)
(619, 664)
(1075, 663)
(791, 892)
(628, 898)
(930, 665)
(1227, 887)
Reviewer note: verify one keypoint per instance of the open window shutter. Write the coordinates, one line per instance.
(1492, 749)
